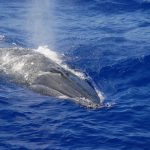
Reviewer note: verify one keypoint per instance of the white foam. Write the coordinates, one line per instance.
(12, 64)
(49, 54)
(2, 37)
(18, 66)
(57, 58)
(100, 95)
(77, 73)
(6, 59)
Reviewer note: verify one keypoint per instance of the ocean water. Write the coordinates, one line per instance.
(107, 40)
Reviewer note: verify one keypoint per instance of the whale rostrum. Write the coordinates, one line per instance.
(43, 75)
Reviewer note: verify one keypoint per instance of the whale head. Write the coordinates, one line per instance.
(64, 84)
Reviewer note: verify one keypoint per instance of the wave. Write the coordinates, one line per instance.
(125, 67)
(133, 72)
(11, 41)
(114, 6)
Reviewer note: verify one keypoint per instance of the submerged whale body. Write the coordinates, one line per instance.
(43, 75)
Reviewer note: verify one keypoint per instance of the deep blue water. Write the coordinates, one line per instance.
(108, 40)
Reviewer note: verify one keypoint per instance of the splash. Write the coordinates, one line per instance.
(100, 95)
(50, 54)
(58, 58)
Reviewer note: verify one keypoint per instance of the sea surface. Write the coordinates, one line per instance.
(109, 40)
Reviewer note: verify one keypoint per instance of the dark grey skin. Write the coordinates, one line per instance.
(42, 75)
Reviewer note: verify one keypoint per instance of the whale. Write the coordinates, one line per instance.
(43, 75)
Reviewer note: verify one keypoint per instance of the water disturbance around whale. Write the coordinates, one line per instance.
(44, 72)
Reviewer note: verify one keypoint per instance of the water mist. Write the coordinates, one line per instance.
(40, 23)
